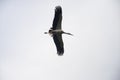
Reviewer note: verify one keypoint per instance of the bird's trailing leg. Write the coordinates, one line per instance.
(67, 33)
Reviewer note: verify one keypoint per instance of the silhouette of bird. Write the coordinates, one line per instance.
(56, 31)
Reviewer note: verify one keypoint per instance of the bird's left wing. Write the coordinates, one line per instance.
(57, 18)
(59, 43)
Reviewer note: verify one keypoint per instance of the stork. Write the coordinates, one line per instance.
(56, 31)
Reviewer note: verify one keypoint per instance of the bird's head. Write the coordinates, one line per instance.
(45, 32)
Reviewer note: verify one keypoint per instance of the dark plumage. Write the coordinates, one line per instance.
(56, 31)
(57, 18)
(59, 43)
(57, 25)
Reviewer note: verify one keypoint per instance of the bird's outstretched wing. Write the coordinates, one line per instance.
(59, 43)
(57, 18)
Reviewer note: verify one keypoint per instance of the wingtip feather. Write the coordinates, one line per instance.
(60, 53)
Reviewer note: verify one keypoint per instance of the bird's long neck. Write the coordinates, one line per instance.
(67, 33)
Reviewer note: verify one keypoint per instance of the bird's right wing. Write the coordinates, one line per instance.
(59, 43)
(57, 18)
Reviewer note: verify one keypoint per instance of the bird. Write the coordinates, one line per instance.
(56, 31)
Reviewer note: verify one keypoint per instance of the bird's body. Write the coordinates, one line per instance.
(56, 31)
(53, 32)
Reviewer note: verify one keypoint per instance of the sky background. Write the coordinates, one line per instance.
(93, 53)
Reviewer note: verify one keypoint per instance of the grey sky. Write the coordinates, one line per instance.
(93, 53)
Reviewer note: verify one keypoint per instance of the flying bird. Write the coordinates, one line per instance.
(56, 31)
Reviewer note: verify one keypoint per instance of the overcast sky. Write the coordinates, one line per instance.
(93, 53)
